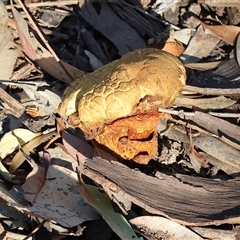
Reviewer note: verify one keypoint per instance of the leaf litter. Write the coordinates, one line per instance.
(198, 153)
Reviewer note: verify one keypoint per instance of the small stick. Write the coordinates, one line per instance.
(191, 114)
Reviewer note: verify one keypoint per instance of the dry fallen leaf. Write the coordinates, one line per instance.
(196, 48)
(59, 198)
(94, 61)
(15, 138)
(196, 158)
(8, 49)
(227, 33)
(36, 52)
(184, 35)
(19, 158)
(163, 228)
(211, 103)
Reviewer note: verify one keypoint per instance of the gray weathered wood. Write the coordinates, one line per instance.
(188, 200)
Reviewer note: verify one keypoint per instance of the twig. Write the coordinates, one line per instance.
(225, 115)
(35, 230)
(45, 4)
(181, 113)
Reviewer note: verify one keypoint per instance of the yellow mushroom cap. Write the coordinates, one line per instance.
(139, 81)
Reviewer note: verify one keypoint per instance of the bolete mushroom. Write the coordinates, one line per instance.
(117, 104)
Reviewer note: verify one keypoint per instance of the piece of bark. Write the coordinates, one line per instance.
(111, 26)
(188, 200)
(12, 104)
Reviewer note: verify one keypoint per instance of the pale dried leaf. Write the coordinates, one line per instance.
(34, 182)
(163, 228)
(15, 138)
(46, 98)
(218, 163)
(59, 198)
(184, 35)
(196, 50)
(19, 158)
(162, 6)
(8, 176)
(95, 62)
(16, 236)
(203, 66)
(52, 18)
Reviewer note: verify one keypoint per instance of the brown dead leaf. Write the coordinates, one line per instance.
(32, 111)
(196, 155)
(34, 182)
(36, 178)
(227, 33)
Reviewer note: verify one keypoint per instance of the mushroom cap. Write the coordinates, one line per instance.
(139, 81)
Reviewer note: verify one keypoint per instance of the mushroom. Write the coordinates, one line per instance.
(117, 104)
